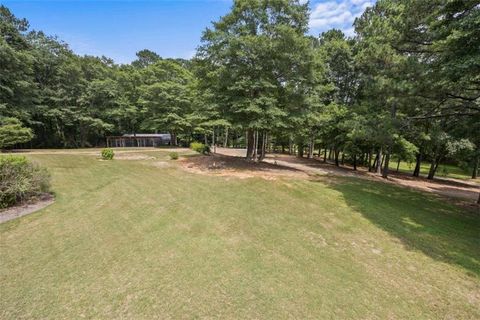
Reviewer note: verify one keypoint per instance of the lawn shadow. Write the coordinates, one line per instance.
(421, 222)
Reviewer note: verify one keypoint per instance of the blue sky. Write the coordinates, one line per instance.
(172, 28)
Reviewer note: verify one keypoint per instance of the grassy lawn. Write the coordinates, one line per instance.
(444, 170)
(144, 239)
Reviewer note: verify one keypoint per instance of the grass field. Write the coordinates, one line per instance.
(444, 170)
(145, 239)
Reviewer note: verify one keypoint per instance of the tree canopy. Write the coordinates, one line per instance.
(406, 86)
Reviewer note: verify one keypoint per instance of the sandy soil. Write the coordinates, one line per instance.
(229, 162)
(225, 165)
(132, 156)
(25, 208)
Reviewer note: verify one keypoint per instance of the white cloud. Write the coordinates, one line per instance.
(339, 14)
(358, 2)
(350, 32)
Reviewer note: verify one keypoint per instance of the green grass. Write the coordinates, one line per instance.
(131, 239)
(444, 170)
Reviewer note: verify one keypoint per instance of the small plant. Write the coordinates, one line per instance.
(197, 146)
(173, 155)
(21, 180)
(107, 154)
(200, 147)
(206, 149)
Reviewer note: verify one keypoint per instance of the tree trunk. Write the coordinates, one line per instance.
(336, 157)
(205, 139)
(478, 201)
(398, 164)
(416, 171)
(475, 168)
(255, 145)
(250, 143)
(300, 150)
(387, 163)
(325, 155)
(312, 146)
(433, 169)
(343, 158)
(370, 161)
(290, 145)
(355, 162)
(225, 141)
(393, 114)
(213, 141)
(379, 161)
(262, 150)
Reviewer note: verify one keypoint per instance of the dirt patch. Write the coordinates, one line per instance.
(132, 156)
(461, 192)
(443, 187)
(160, 164)
(26, 208)
(310, 166)
(222, 165)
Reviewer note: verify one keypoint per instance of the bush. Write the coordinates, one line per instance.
(21, 180)
(200, 147)
(206, 149)
(107, 154)
(173, 155)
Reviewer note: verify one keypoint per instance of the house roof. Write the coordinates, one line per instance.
(147, 135)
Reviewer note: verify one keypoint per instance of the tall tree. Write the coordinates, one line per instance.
(167, 96)
(258, 56)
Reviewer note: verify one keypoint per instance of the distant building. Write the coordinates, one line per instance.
(139, 140)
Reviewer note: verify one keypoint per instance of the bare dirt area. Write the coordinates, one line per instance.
(226, 165)
(26, 208)
(132, 156)
(451, 188)
(454, 189)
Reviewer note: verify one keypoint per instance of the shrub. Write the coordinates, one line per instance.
(197, 146)
(107, 154)
(200, 147)
(12, 132)
(21, 180)
(173, 155)
(206, 149)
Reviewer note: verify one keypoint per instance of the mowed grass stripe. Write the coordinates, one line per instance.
(126, 239)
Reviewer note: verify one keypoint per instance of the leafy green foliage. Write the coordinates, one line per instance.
(12, 132)
(173, 155)
(21, 180)
(406, 81)
(200, 147)
(107, 154)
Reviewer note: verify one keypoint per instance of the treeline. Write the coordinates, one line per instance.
(406, 86)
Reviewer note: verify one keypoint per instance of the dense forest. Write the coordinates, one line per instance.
(406, 86)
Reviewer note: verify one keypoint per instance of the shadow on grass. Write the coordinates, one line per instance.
(421, 222)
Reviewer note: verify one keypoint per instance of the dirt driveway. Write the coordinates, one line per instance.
(467, 191)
